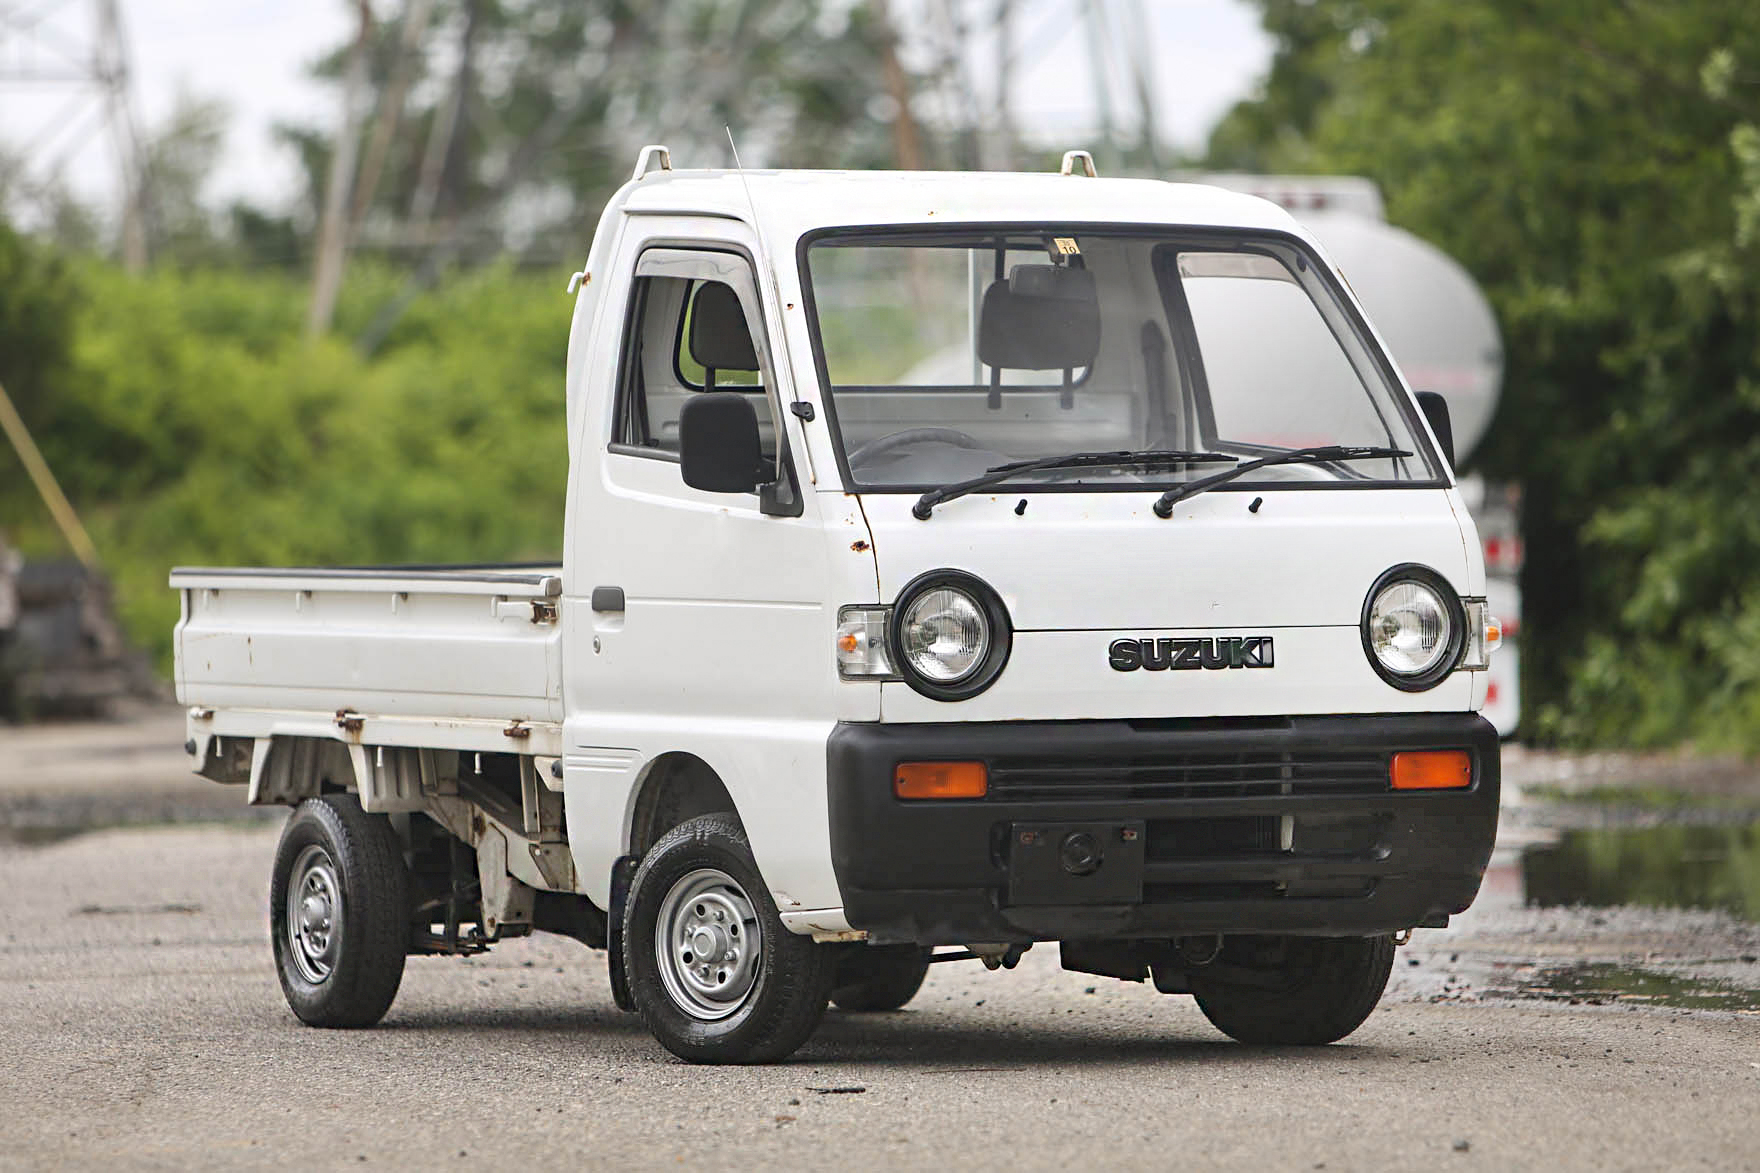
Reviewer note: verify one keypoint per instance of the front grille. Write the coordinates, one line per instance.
(1213, 838)
(1188, 775)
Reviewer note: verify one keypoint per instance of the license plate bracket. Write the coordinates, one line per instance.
(1089, 862)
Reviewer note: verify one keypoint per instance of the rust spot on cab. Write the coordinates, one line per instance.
(859, 547)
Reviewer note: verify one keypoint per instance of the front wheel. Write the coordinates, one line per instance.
(714, 974)
(1294, 991)
(339, 913)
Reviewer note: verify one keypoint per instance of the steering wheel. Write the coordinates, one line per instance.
(885, 444)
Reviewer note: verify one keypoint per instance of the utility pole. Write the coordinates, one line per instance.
(1002, 150)
(907, 148)
(66, 520)
(444, 128)
(415, 23)
(333, 225)
(1094, 14)
(1139, 47)
(43, 51)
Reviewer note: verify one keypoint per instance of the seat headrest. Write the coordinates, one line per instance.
(1040, 318)
(720, 339)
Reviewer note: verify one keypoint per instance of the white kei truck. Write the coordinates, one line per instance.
(935, 583)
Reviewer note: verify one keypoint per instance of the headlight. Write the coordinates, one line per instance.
(950, 635)
(1413, 627)
(944, 635)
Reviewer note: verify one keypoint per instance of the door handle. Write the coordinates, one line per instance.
(608, 598)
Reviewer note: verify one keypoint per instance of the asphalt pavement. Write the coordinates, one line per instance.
(142, 1026)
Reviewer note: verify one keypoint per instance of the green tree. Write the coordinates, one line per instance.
(1597, 167)
(553, 99)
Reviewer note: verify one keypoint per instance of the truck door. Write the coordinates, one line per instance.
(697, 622)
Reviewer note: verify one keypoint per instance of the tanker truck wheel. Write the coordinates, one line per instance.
(715, 975)
(879, 977)
(1294, 991)
(339, 913)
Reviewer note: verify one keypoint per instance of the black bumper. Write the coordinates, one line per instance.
(1285, 825)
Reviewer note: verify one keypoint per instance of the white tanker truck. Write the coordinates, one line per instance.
(1440, 330)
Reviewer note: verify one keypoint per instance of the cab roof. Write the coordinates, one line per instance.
(790, 204)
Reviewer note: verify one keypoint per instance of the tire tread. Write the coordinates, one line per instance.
(797, 976)
(375, 891)
(1336, 996)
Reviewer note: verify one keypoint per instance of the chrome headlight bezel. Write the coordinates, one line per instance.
(1454, 641)
(989, 664)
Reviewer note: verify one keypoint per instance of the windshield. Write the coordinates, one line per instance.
(945, 355)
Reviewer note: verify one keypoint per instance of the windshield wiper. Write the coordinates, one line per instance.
(1321, 454)
(996, 474)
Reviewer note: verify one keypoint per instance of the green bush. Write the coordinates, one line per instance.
(195, 426)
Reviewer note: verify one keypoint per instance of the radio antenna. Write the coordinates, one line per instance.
(741, 172)
(766, 267)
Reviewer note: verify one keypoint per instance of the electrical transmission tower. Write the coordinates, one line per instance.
(81, 66)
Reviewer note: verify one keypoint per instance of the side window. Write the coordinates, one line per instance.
(685, 337)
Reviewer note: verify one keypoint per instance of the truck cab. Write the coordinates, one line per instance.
(942, 576)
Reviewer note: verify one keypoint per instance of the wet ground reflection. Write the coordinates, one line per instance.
(1601, 984)
(1667, 866)
(1674, 865)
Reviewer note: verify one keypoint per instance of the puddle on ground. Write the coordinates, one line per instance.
(1661, 867)
(1602, 985)
(37, 836)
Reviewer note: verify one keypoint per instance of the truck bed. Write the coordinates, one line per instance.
(415, 644)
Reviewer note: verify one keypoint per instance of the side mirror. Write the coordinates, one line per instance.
(1435, 409)
(718, 447)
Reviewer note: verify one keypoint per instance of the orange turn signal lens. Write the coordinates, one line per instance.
(940, 780)
(1441, 769)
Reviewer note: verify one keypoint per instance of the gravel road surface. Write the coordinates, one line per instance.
(142, 1025)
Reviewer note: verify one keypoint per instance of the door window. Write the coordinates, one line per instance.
(687, 336)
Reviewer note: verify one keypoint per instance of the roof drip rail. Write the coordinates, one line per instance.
(652, 151)
(1070, 158)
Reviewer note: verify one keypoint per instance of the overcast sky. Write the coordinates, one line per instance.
(253, 55)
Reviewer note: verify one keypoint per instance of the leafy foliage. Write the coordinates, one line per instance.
(196, 427)
(1597, 168)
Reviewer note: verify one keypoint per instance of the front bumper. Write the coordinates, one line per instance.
(1282, 825)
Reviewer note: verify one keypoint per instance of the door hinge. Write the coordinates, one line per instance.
(538, 610)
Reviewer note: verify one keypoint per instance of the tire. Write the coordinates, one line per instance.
(763, 993)
(1319, 990)
(872, 978)
(339, 913)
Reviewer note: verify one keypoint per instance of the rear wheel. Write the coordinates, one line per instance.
(714, 974)
(339, 913)
(1294, 991)
(882, 977)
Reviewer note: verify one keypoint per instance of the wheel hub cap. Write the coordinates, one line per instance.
(314, 914)
(708, 944)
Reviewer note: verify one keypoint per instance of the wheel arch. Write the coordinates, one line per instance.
(674, 787)
(286, 769)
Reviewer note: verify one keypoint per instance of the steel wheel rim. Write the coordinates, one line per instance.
(314, 914)
(708, 943)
